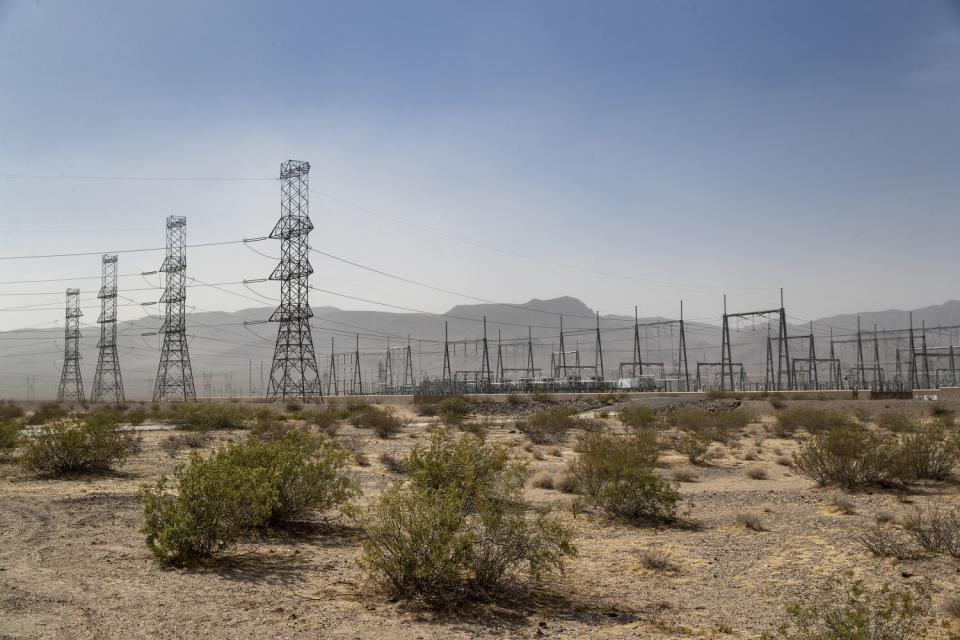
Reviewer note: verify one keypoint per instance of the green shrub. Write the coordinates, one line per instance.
(936, 528)
(383, 423)
(777, 401)
(730, 420)
(307, 472)
(694, 446)
(453, 410)
(206, 416)
(214, 505)
(46, 412)
(849, 457)
(638, 416)
(327, 420)
(515, 400)
(9, 437)
(242, 487)
(173, 444)
(615, 473)
(67, 446)
(425, 407)
(812, 419)
(466, 463)
(939, 410)
(10, 410)
(847, 610)
(442, 538)
(549, 426)
(103, 416)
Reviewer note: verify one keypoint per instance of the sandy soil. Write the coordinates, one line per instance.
(72, 564)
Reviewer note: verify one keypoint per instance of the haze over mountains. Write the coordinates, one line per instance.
(227, 354)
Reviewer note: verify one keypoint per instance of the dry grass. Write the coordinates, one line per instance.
(750, 522)
(757, 473)
(656, 560)
(684, 475)
(543, 480)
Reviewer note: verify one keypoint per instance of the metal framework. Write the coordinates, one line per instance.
(174, 374)
(107, 381)
(71, 382)
(294, 371)
(783, 349)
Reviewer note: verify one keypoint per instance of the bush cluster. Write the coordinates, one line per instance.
(206, 416)
(549, 426)
(68, 446)
(239, 488)
(848, 610)
(383, 423)
(852, 456)
(813, 419)
(615, 473)
(46, 412)
(461, 526)
(453, 410)
(638, 416)
(936, 528)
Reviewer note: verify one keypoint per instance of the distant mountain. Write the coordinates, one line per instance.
(227, 355)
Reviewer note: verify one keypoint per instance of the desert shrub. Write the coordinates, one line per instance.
(777, 401)
(842, 505)
(9, 437)
(951, 607)
(239, 488)
(293, 407)
(929, 454)
(936, 528)
(425, 408)
(615, 473)
(847, 610)
(939, 410)
(67, 446)
(465, 463)
(638, 416)
(731, 420)
(173, 444)
(10, 410)
(849, 457)
(885, 542)
(136, 417)
(306, 471)
(684, 475)
(566, 483)
(750, 521)
(103, 416)
(515, 400)
(327, 420)
(383, 423)
(549, 426)
(657, 560)
(694, 446)
(393, 463)
(272, 430)
(603, 415)
(453, 410)
(476, 427)
(813, 419)
(896, 421)
(757, 473)
(543, 480)
(214, 505)
(206, 416)
(690, 419)
(542, 397)
(47, 412)
(445, 538)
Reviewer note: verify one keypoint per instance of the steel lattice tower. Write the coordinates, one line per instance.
(107, 381)
(294, 370)
(174, 375)
(71, 382)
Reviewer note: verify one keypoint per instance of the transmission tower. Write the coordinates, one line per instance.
(71, 383)
(174, 375)
(107, 381)
(294, 371)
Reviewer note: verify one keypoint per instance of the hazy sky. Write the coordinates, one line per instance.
(684, 149)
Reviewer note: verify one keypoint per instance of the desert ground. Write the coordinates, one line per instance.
(73, 564)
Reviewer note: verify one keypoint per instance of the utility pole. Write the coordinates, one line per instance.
(637, 357)
(357, 383)
(332, 386)
(913, 357)
(293, 373)
(71, 382)
(485, 362)
(446, 356)
(877, 373)
(174, 374)
(860, 381)
(598, 352)
(682, 355)
(107, 381)
(530, 368)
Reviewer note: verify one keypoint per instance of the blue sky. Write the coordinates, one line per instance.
(693, 148)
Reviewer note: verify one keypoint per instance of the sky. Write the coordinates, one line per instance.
(624, 153)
